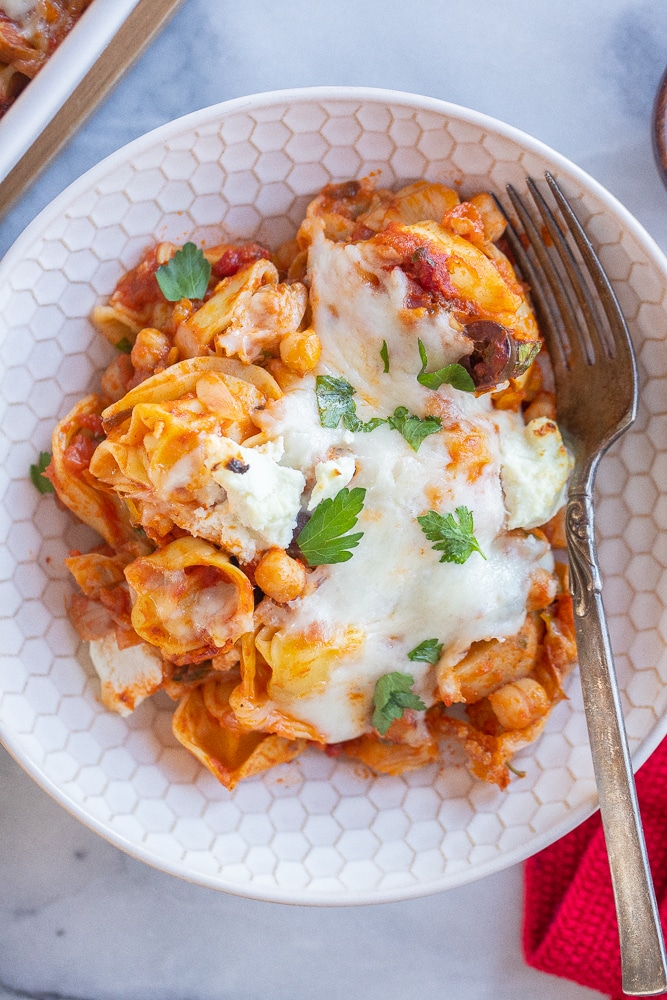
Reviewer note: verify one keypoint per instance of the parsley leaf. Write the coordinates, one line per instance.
(352, 422)
(124, 345)
(185, 276)
(454, 375)
(392, 696)
(454, 538)
(334, 399)
(39, 480)
(335, 403)
(414, 429)
(428, 651)
(322, 540)
(384, 354)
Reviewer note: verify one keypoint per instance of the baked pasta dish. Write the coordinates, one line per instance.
(327, 479)
(30, 31)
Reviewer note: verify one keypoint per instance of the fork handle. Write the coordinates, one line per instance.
(643, 959)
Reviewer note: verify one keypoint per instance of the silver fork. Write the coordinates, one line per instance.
(596, 391)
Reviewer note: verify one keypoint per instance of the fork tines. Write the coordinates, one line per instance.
(558, 261)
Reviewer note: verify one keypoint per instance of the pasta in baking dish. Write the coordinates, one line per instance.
(327, 480)
(30, 31)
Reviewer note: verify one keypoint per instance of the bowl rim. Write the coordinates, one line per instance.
(191, 121)
(379, 95)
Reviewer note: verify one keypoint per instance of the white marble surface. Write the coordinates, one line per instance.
(78, 919)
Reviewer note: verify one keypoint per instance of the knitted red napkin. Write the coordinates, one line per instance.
(570, 925)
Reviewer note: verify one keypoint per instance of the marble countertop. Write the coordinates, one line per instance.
(79, 919)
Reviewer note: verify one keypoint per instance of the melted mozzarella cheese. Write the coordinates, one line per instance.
(181, 474)
(357, 304)
(398, 593)
(394, 591)
(294, 419)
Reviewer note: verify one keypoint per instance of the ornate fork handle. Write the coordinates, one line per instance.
(641, 940)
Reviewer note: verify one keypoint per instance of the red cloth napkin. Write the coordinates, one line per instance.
(570, 925)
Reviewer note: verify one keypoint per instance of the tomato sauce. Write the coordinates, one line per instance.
(234, 258)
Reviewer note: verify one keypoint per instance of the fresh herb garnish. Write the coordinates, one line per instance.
(454, 538)
(393, 694)
(384, 354)
(525, 355)
(185, 276)
(454, 375)
(335, 403)
(353, 423)
(414, 429)
(43, 484)
(428, 651)
(334, 399)
(124, 345)
(323, 539)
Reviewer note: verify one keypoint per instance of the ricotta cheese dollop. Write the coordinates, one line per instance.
(535, 469)
(262, 496)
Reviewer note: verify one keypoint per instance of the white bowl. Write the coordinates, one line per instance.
(319, 830)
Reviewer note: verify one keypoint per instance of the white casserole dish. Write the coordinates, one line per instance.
(46, 94)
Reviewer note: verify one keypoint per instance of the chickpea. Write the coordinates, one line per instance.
(299, 266)
(519, 703)
(543, 405)
(300, 351)
(182, 311)
(279, 576)
(283, 375)
(164, 252)
(150, 349)
(284, 256)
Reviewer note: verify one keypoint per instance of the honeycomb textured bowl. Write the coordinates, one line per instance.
(317, 830)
